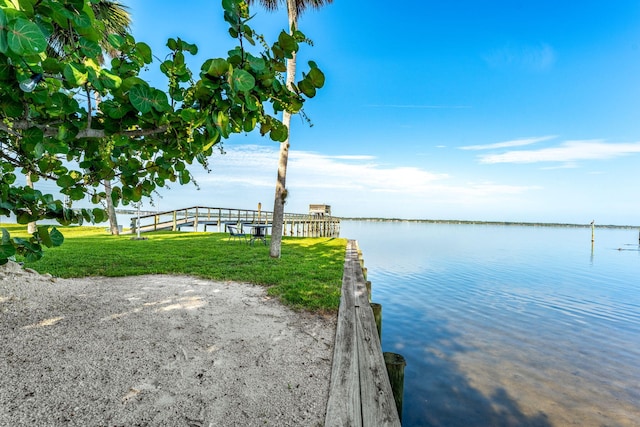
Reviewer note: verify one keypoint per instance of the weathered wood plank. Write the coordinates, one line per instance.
(360, 393)
(378, 405)
(344, 405)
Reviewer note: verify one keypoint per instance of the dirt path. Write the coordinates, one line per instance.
(157, 351)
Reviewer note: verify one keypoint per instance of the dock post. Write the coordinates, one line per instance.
(368, 285)
(377, 315)
(259, 213)
(395, 369)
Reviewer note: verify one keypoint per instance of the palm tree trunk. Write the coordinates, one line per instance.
(281, 189)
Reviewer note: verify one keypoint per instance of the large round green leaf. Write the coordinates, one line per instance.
(218, 67)
(81, 20)
(159, 101)
(60, 14)
(98, 215)
(45, 238)
(65, 181)
(316, 77)
(113, 110)
(76, 193)
(185, 177)
(144, 51)
(75, 74)
(258, 64)
(307, 88)
(287, 43)
(32, 136)
(242, 80)
(6, 237)
(191, 48)
(7, 251)
(141, 97)
(279, 133)
(110, 80)
(25, 38)
(25, 217)
(4, 46)
(76, 4)
(89, 48)
(115, 40)
(56, 237)
(33, 255)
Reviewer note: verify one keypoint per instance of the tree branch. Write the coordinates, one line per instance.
(86, 88)
(100, 133)
(17, 126)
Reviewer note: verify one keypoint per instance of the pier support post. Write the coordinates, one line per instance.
(395, 369)
(377, 315)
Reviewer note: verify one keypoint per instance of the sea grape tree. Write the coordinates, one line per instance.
(139, 136)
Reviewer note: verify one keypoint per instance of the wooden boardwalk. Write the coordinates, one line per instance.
(360, 393)
(205, 218)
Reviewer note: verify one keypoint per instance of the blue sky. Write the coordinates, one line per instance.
(492, 110)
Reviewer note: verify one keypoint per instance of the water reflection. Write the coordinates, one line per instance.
(441, 391)
(508, 326)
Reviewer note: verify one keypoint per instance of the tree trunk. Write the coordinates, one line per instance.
(281, 189)
(31, 227)
(111, 210)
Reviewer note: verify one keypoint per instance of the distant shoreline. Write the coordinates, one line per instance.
(467, 222)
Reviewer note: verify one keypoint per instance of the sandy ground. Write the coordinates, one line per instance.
(157, 351)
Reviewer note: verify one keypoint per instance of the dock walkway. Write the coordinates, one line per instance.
(360, 393)
(204, 218)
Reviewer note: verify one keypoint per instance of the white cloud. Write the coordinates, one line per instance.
(315, 170)
(355, 185)
(570, 151)
(506, 144)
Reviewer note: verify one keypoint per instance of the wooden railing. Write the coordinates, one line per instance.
(360, 393)
(201, 218)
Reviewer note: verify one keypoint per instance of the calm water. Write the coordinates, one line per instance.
(509, 326)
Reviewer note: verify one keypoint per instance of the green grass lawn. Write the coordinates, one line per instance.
(307, 276)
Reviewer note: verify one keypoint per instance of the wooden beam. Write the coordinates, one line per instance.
(360, 393)
(344, 406)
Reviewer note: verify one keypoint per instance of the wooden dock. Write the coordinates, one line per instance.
(201, 218)
(360, 393)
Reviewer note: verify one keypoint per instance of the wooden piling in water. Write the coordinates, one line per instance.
(395, 369)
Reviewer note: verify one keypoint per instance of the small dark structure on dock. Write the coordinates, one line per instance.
(319, 210)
